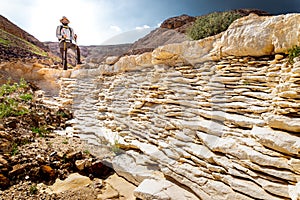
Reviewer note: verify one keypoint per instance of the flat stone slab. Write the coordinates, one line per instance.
(162, 189)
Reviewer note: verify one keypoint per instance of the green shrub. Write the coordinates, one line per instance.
(14, 150)
(26, 97)
(212, 24)
(293, 53)
(42, 131)
(33, 189)
(9, 88)
(10, 107)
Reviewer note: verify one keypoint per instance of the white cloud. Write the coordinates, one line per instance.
(116, 28)
(142, 27)
(94, 21)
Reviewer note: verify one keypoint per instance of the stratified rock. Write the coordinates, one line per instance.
(133, 168)
(218, 116)
(161, 189)
(283, 123)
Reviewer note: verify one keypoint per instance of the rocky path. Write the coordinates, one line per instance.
(81, 95)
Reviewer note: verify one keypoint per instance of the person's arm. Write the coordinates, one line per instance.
(73, 36)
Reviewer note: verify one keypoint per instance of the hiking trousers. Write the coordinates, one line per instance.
(69, 45)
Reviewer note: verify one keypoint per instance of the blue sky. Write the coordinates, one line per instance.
(95, 21)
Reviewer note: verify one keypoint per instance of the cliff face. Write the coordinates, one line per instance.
(220, 116)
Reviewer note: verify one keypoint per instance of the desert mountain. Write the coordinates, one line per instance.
(127, 37)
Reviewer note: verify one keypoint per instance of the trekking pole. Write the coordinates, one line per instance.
(65, 56)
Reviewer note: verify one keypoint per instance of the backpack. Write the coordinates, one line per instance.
(66, 27)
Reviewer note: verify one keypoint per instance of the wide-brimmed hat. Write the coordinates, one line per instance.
(64, 20)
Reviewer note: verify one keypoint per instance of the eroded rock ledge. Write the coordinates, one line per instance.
(219, 115)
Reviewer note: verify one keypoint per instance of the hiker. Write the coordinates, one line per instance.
(66, 37)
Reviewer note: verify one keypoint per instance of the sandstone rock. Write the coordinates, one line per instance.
(189, 52)
(283, 123)
(161, 189)
(294, 191)
(80, 164)
(274, 188)
(108, 193)
(249, 188)
(277, 140)
(289, 94)
(18, 169)
(144, 60)
(1, 127)
(133, 167)
(73, 182)
(238, 40)
(111, 60)
(123, 187)
(83, 164)
(126, 63)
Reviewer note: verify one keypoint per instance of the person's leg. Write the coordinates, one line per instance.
(78, 55)
(76, 49)
(63, 51)
(65, 61)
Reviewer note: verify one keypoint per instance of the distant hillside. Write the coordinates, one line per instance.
(127, 37)
(93, 53)
(17, 43)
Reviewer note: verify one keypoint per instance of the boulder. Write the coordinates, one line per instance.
(73, 182)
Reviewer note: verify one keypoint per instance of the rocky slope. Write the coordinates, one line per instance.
(218, 117)
(36, 163)
(16, 43)
(13, 29)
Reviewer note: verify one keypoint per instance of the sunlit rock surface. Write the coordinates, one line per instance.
(218, 117)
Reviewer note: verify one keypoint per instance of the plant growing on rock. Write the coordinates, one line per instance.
(212, 24)
(293, 53)
(10, 105)
(41, 131)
